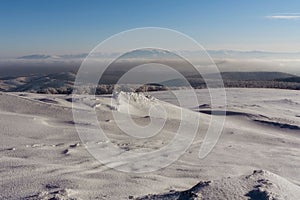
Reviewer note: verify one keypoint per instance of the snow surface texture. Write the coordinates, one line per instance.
(42, 156)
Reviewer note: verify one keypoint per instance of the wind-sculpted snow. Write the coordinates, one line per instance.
(260, 185)
(42, 156)
(137, 101)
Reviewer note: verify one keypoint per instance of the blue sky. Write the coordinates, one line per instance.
(75, 26)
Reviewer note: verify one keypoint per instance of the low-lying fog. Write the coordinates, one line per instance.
(225, 60)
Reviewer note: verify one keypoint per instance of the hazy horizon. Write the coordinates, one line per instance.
(239, 36)
(226, 60)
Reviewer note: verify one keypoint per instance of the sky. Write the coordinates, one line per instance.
(76, 26)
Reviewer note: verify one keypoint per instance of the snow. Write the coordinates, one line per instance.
(42, 156)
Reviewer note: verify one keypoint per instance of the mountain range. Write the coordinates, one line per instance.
(145, 53)
(62, 83)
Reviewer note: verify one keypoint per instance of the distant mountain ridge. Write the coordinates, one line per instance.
(43, 56)
(255, 76)
(35, 56)
(145, 53)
